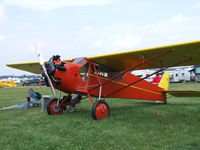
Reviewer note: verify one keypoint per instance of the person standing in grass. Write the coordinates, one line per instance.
(24, 105)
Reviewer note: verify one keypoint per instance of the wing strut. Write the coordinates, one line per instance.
(162, 69)
(133, 67)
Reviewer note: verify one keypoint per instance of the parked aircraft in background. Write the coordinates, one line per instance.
(7, 83)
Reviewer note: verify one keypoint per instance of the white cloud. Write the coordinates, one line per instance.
(2, 38)
(197, 5)
(37, 46)
(125, 41)
(115, 38)
(32, 48)
(178, 18)
(179, 28)
(49, 5)
(98, 43)
(174, 37)
(2, 12)
(87, 28)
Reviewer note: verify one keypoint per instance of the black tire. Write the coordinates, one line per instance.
(102, 112)
(52, 108)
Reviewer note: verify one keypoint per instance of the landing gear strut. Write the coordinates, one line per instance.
(67, 103)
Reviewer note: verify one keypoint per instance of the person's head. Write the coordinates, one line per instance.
(28, 99)
(30, 90)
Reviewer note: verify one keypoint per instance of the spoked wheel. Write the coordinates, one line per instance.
(100, 110)
(53, 109)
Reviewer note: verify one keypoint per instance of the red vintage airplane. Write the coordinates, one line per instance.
(107, 76)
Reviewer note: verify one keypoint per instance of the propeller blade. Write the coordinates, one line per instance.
(41, 61)
(49, 80)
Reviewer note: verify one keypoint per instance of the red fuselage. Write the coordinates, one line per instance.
(81, 77)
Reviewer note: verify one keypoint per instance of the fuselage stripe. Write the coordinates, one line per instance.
(124, 84)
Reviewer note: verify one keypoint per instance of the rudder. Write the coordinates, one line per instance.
(164, 82)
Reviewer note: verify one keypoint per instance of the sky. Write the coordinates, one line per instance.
(81, 28)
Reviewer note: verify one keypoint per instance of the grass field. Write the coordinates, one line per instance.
(132, 125)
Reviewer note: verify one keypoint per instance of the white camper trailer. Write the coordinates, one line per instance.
(177, 74)
(144, 73)
(180, 76)
(174, 76)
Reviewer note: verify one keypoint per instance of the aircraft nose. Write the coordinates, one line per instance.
(50, 67)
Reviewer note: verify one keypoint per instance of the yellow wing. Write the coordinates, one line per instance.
(33, 67)
(124, 60)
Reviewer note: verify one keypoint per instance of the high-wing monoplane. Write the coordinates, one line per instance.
(108, 76)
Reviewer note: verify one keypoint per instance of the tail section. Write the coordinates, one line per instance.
(164, 82)
(12, 83)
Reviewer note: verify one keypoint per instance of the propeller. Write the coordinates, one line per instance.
(41, 61)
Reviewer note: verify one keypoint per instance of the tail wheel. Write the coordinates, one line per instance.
(100, 110)
(53, 108)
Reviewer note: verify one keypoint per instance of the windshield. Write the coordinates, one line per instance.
(79, 61)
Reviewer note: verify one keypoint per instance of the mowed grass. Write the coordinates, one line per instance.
(133, 124)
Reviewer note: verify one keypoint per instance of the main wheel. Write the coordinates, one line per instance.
(53, 109)
(100, 110)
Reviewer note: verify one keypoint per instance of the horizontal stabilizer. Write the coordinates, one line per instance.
(184, 93)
